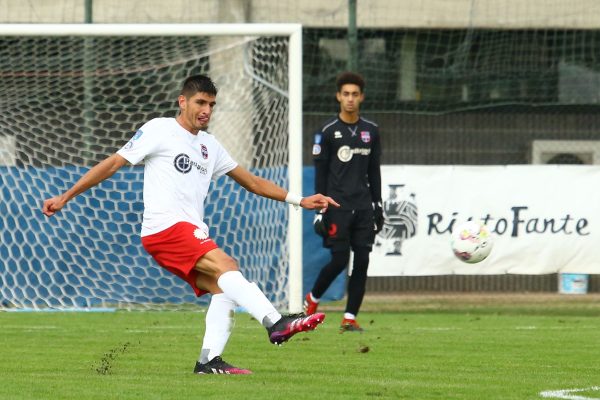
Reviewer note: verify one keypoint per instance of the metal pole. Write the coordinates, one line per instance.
(89, 6)
(352, 37)
(86, 153)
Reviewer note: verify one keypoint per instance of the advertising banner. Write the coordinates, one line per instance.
(543, 219)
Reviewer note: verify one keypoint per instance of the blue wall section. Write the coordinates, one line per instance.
(97, 235)
(86, 246)
(314, 255)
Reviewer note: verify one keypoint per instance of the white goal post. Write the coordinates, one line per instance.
(73, 93)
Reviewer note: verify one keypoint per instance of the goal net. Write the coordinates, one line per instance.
(70, 95)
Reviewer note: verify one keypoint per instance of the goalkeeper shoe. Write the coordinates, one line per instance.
(218, 366)
(291, 324)
(350, 325)
(310, 306)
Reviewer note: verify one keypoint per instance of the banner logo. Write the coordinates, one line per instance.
(401, 216)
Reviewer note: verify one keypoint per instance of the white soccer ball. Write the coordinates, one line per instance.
(471, 241)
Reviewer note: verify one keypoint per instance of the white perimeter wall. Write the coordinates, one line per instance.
(584, 14)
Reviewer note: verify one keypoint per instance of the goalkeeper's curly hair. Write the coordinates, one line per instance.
(350, 78)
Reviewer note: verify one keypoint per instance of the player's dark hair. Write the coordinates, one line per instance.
(350, 78)
(196, 84)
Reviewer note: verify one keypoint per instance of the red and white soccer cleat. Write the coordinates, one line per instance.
(350, 325)
(291, 324)
(310, 306)
(218, 366)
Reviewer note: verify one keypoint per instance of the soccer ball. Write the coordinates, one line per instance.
(471, 242)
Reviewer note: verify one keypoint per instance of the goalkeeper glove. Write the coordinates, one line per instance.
(378, 217)
(319, 224)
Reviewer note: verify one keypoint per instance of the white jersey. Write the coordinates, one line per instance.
(178, 170)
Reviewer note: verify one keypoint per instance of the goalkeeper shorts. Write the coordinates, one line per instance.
(349, 229)
(178, 248)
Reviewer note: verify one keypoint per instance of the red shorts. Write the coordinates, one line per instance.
(177, 249)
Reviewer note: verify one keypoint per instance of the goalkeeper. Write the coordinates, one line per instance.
(346, 153)
(180, 161)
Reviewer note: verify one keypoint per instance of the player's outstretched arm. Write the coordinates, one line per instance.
(266, 188)
(104, 169)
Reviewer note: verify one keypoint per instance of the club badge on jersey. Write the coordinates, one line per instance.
(365, 136)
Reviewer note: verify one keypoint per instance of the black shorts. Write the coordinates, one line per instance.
(349, 228)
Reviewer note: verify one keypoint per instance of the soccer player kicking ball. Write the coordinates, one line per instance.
(180, 161)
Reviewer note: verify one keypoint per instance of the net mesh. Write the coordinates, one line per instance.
(68, 102)
(437, 57)
(426, 57)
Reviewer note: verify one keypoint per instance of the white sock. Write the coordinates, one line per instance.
(219, 321)
(249, 296)
(313, 298)
(349, 316)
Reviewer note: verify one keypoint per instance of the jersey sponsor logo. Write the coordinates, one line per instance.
(365, 136)
(316, 149)
(204, 151)
(337, 134)
(184, 164)
(318, 138)
(345, 153)
(136, 136)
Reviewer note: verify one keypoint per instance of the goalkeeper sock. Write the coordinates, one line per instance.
(249, 296)
(219, 321)
(348, 315)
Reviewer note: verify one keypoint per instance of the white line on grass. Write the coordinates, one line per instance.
(566, 393)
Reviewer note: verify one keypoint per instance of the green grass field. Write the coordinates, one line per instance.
(415, 347)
